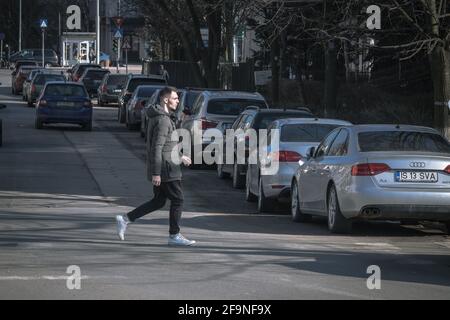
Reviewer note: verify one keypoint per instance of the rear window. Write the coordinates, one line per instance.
(305, 132)
(402, 141)
(117, 80)
(146, 92)
(265, 119)
(81, 69)
(43, 79)
(134, 83)
(232, 107)
(65, 90)
(95, 75)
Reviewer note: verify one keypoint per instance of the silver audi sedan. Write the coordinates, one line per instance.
(375, 172)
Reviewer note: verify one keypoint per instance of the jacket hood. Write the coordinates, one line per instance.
(155, 111)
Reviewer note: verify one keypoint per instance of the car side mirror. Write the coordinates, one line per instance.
(310, 153)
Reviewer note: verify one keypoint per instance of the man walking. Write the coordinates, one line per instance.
(162, 171)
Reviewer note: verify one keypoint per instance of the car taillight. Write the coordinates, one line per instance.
(287, 156)
(369, 169)
(207, 124)
(447, 170)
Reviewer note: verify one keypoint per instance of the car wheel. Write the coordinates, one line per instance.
(337, 223)
(297, 214)
(238, 180)
(38, 124)
(264, 204)
(249, 196)
(220, 173)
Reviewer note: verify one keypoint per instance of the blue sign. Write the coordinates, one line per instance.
(2, 36)
(43, 23)
(118, 33)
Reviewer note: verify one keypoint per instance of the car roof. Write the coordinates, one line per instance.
(391, 127)
(65, 82)
(141, 76)
(285, 121)
(233, 94)
(96, 70)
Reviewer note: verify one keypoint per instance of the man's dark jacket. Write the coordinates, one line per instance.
(160, 146)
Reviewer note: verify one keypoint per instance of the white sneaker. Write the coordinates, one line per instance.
(121, 227)
(179, 240)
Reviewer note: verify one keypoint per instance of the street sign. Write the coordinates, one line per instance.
(2, 36)
(118, 33)
(118, 21)
(126, 44)
(43, 23)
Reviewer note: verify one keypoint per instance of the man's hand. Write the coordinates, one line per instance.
(186, 161)
(156, 180)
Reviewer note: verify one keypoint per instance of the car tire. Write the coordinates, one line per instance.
(337, 223)
(297, 214)
(265, 205)
(249, 196)
(38, 124)
(238, 180)
(220, 173)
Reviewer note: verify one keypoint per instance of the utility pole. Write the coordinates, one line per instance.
(98, 32)
(20, 25)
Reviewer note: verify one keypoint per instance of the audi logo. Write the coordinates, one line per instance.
(417, 165)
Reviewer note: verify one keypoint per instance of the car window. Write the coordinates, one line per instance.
(232, 107)
(190, 98)
(325, 144)
(65, 90)
(248, 122)
(117, 80)
(146, 92)
(95, 75)
(43, 79)
(265, 119)
(134, 83)
(402, 141)
(302, 132)
(198, 105)
(339, 147)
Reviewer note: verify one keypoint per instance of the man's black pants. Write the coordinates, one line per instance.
(168, 190)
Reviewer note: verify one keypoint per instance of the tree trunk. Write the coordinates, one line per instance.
(211, 60)
(440, 67)
(275, 63)
(330, 80)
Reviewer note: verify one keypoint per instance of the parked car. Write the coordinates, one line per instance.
(38, 83)
(50, 60)
(77, 71)
(26, 84)
(133, 82)
(296, 136)
(64, 102)
(16, 69)
(187, 99)
(20, 77)
(375, 172)
(137, 103)
(253, 118)
(110, 88)
(217, 110)
(92, 79)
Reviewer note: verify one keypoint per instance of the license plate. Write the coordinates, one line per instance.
(65, 104)
(117, 90)
(422, 177)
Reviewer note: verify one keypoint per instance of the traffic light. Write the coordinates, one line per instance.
(115, 44)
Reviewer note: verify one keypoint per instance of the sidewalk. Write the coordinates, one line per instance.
(132, 68)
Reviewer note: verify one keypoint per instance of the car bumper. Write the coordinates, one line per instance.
(279, 185)
(81, 116)
(377, 203)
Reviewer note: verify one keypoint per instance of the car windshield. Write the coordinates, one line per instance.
(191, 96)
(95, 75)
(134, 83)
(300, 132)
(65, 90)
(402, 141)
(265, 119)
(117, 80)
(146, 92)
(44, 78)
(232, 107)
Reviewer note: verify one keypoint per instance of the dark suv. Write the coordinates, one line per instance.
(133, 82)
(50, 57)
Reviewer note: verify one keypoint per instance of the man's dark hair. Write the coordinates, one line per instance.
(167, 91)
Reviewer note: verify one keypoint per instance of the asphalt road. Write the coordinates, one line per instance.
(60, 189)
